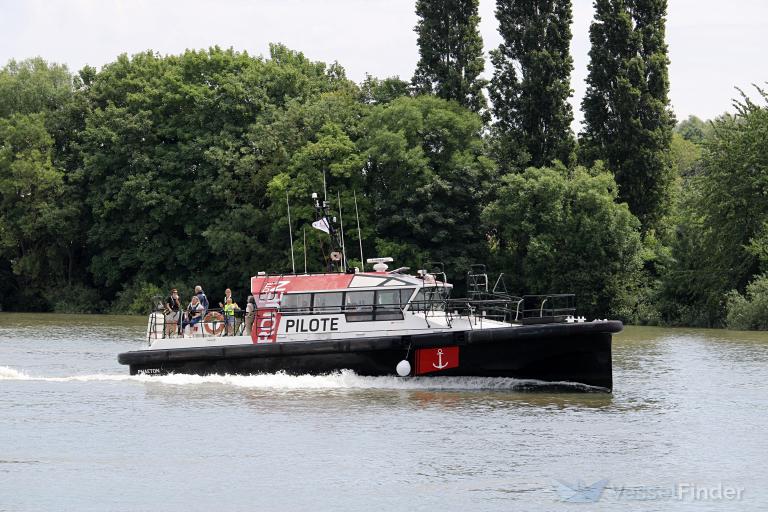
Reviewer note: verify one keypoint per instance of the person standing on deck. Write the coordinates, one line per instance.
(227, 295)
(250, 314)
(202, 298)
(172, 313)
(229, 316)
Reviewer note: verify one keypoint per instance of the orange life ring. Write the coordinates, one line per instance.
(215, 318)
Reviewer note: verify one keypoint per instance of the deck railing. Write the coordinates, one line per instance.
(212, 323)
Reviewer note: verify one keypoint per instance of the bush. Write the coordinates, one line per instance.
(77, 299)
(749, 311)
(563, 231)
(136, 299)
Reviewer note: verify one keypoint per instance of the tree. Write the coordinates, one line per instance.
(749, 311)
(179, 151)
(375, 91)
(556, 231)
(722, 237)
(32, 86)
(450, 52)
(628, 121)
(42, 111)
(325, 132)
(30, 198)
(531, 82)
(733, 186)
(694, 129)
(426, 179)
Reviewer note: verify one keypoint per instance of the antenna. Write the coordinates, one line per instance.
(325, 191)
(305, 249)
(290, 231)
(359, 236)
(341, 228)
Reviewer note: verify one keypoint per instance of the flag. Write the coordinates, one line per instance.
(435, 359)
(322, 225)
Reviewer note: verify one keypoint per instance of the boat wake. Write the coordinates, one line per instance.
(344, 379)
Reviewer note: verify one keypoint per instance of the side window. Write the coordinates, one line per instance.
(359, 301)
(328, 302)
(296, 303)
(359, 306)
(388, 305)
(388, 298)
(405, 296)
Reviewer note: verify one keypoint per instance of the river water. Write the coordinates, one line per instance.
(685, 429)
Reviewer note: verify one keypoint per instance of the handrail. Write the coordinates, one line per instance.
(217, 326)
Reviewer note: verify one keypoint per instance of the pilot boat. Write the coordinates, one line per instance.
(389, 322)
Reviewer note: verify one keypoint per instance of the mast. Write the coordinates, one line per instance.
(359, 236)
(341, 231)
(326, 223)
(290, 232)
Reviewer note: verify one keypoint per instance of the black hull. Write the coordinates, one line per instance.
(551, 352)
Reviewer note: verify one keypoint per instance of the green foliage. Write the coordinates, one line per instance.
(560, 230)
(33, 86)
(178, 152)
(733, 188)
(77, 299)
(628, 122)
(686, 156)
(137, 299)
(694, 130)
(749, 311)
(323, 137)
(721, 235)
(427, 179)
(42, 110)
(30, 190)
(531, 82)
(375, 91)
(450, 52)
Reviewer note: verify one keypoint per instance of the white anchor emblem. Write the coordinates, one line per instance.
(439, 364)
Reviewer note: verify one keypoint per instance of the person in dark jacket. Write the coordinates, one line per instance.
(202, 298)
(172, 313)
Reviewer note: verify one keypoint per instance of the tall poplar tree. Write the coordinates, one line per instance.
(628, 120)
(450, 51)
(531, 82)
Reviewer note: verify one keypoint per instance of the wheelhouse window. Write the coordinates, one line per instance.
(388, 305)
(359, 306)
(328, 302)
(296, 303)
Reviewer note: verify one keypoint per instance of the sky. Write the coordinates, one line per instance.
(714, 45)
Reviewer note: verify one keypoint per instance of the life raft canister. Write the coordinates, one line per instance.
(214, 323)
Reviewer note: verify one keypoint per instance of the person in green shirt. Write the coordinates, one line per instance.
(229, 316)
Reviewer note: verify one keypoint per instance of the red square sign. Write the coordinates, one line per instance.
(435, 359)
